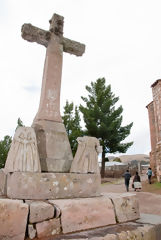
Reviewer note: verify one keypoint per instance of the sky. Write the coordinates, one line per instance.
(123, 45)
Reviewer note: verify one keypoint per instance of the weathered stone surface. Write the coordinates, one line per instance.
(52, 185)
(31, 231)
(2, 182)
(126, 206)
(40, 211)
(123, 231)
(86, 157)
(53, 145)
(34, 34)
(122, 235)
(13, 219)
(110, 237)
(48, 228)
(148, 232)
(23, 154)
(73, 47)
(149, 218)
(81, 214)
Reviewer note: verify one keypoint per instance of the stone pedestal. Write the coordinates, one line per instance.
(64, 216)
(24, 185)
(53, 146)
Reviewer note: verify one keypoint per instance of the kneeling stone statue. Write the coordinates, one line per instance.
(23, 155)
(86, 157)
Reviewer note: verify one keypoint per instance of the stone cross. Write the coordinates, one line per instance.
(53, 144)
(53, 39)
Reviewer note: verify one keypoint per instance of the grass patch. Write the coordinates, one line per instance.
(111, 181)
(157, 185)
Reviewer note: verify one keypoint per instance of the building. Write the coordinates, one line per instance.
(154, 111)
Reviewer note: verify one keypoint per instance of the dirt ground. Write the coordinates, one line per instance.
(149, 196)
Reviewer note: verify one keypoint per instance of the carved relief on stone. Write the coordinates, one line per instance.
(23, 155)
(86, 157)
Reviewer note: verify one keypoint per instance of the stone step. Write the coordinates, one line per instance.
(148, 227)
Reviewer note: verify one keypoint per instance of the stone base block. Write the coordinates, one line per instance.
(26, 185)
(82, 214)
(126, 206)
(40, 211)
(48, 228)
(70, 215)
(2, 182)
(53, 146)
(125, 231)
(13, 219)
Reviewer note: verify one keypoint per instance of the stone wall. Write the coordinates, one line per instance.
(117, 171)
(154, 112)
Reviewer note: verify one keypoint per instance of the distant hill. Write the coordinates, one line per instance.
(136, 157)
(132, 158)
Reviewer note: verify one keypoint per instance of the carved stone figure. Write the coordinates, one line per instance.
(23, 155)
(86, 157)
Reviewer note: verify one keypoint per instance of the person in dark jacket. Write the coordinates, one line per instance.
(127, 177)
(136, 178)
(149, 173)
(136, 182)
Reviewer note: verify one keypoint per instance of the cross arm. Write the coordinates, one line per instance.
(34, 34)
(73, 47)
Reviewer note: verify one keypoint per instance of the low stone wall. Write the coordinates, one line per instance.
(54, 217)
(117, 171)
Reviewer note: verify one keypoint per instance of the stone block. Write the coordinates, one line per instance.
(2, 182)
(24, 185)
(85, 213)
(13, 219)
(53, 146)
(126, 206)
(40, 211)
(48, 228)
(149, 219)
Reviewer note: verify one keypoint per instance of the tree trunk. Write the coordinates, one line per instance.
(103, 165)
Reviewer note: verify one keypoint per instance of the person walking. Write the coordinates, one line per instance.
(136, 182)
(149, 173)
(127, 177)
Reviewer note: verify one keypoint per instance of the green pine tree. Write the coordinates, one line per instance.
(5, 145)
(103, 120)
(71, 120)
(19, 123)
(4, 148)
